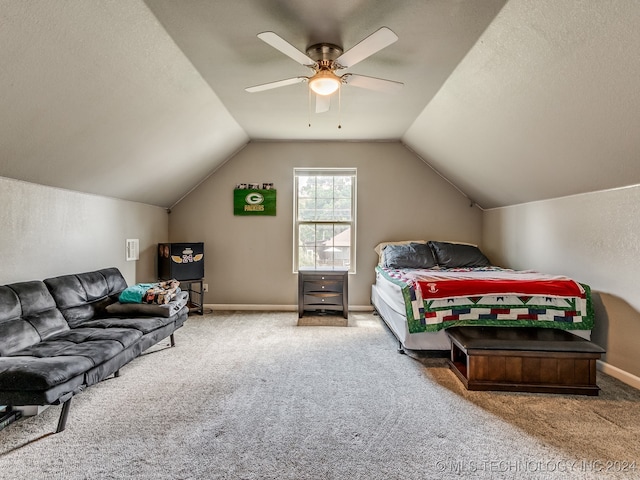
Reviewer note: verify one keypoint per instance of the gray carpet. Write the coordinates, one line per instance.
(248, 395)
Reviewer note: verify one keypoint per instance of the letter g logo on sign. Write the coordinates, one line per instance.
(254, 198)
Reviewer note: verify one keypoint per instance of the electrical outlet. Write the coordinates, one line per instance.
(205, 287)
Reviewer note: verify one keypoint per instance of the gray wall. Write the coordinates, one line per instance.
(48, 231)
(593, 238)
(248, 260)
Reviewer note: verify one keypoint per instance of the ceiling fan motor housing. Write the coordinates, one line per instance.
(324, 81)
(324, 53)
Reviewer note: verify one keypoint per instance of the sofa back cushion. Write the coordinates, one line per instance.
(28, 314)
(115, 281)
(85, 296)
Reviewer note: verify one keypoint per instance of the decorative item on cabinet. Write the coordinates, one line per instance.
(185, 263)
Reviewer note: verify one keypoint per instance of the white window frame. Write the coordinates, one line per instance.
(352, 172)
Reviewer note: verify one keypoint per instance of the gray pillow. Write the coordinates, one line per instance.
(149, 309)
(457, 255)
(412, 255)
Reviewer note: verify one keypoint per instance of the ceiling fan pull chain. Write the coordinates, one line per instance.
(309, 106)
(340, 106)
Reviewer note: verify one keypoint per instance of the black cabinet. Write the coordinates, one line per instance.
(182, 261)
(321, 290)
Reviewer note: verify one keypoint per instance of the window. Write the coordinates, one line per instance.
(324, 218)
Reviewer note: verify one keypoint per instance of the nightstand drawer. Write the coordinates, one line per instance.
(323, 286)
(321, 299)
(323, 277)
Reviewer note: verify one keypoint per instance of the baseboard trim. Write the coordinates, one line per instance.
(623, 376)
(273, 308)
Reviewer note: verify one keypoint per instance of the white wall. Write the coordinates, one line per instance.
(594, 238)
(48, 232)
(248, 260)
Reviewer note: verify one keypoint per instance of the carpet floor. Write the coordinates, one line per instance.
(252, 395)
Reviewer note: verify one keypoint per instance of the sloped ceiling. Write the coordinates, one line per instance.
(96, 97)
(511, 101)
(545, 105)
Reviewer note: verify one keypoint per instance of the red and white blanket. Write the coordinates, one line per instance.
(466, 282)
(437, 299)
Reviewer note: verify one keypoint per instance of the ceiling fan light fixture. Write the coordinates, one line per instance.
(324, 82)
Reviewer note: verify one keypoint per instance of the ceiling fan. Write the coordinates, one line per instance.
(325, 59)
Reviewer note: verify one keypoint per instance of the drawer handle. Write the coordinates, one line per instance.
(322, 286)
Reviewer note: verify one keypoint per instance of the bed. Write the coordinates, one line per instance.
(424, 287)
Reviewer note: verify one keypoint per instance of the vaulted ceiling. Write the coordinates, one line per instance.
(512, 101)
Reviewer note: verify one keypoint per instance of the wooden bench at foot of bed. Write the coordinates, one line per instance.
(523, 359)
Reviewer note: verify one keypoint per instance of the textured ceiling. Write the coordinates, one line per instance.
(545, 105)
(512, 102)
(96, 97)
(219, 38)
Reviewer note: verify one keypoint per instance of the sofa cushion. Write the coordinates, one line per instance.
(144, 324)
(34, 373)
(39, 309)
(48, 323)
(85, 296)
(15, 333)
(63, 357)
(10, 308)
(96, 351)
(115, 281)
(94, 285)
(46, 363)
(124, 336)
(34, 297)
(67, 291)
(28, 314)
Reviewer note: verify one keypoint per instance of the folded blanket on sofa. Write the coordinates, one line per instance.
(155, 293)
(164, 310)
(134, 293)
(162, 293)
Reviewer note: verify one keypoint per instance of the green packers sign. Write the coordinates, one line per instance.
(254, 202)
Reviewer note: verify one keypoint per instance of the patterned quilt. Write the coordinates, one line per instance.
(437, 299)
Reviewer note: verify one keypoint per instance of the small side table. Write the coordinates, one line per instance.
(321, 290)
(196, 294)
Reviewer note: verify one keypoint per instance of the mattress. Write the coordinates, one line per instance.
(412, 320)
(385, 302)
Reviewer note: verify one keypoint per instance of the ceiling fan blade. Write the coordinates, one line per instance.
(323, 102)
(279, 43)
(373, 43)
(373, 83)
(279, 83)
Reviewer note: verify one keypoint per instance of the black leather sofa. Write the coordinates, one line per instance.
(58, 337)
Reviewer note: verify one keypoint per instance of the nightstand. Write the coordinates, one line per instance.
(322, 290)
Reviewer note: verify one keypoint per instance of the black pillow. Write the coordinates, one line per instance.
(456, 255)
(412, 255)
